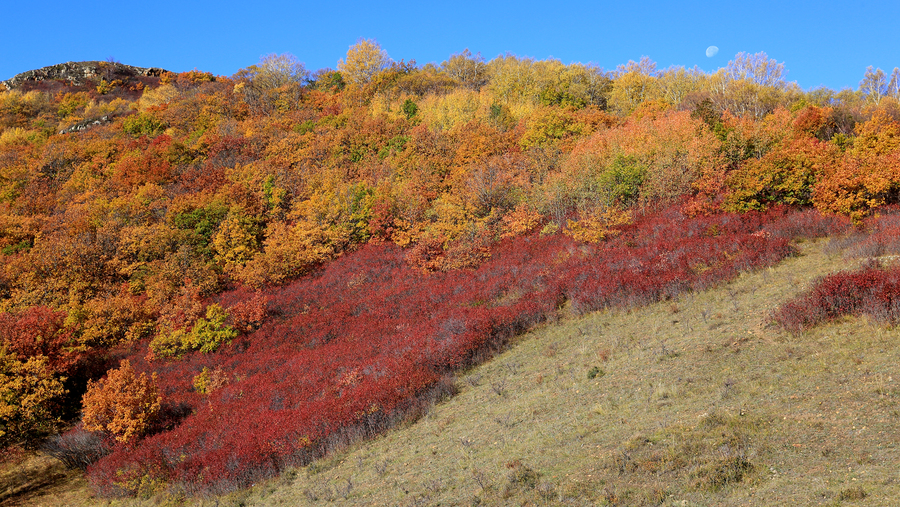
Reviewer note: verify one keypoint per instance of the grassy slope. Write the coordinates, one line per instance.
(700, 403)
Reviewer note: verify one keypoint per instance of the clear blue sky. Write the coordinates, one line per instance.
(821, 43)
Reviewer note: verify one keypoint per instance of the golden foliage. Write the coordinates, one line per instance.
(288, 251)
(672, 149)
(598, 225)
(124, 404)
(208, 380)
(868, 175)
(364, 60)
(522, 220)
(236, 241)
(444, 112)
(28, 389)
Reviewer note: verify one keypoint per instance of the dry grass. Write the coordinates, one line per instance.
(693, 402)
(35, 479)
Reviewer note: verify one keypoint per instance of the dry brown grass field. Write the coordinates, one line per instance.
(698, 401)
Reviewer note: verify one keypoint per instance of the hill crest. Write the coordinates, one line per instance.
(77, 73)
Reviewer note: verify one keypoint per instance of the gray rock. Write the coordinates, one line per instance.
(86, 124)
(77, 73)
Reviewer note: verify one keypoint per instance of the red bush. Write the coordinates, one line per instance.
(871, 290)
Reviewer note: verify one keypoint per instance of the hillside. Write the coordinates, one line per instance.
(210, 281)
(695, 401)
(698, 401)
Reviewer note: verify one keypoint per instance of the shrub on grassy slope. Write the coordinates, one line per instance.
(872, 290)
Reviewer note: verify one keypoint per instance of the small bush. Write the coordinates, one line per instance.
(726, 471)
(206, 335)
(143, 124)
(872, 290)
(77, 448)
(208, 380)
(249, 314)
(595, 372)
(520, 477)
(854, 493)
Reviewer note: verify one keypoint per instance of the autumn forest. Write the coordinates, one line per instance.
(207, 280)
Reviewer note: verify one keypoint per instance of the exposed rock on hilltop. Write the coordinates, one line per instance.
(77, 73)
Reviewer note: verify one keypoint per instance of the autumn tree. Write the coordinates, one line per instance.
(634, 83)
(867, 176)
(236, 240)
(894, 84)
(677, 83)
(274, 70)
(757, 68)
(468, 69)
(124, 403)
(513, 79)
(753, 85)
(364, 60)
(648, 160)
(877, 85)
(784, 175)
(39, 332)
(28, 391)
(575, 85)
(273, 83)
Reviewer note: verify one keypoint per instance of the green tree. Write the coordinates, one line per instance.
(206, 335)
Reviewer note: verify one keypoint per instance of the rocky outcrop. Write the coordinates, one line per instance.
(86, 124)
(78, 73)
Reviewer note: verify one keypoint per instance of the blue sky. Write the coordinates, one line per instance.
(822, 43)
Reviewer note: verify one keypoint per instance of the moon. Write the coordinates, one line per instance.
(711, 51)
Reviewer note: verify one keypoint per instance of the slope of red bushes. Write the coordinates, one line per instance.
(367, 341)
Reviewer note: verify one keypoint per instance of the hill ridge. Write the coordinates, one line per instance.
(79, 72)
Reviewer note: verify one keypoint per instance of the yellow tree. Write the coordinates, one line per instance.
(635, 83)
(678, 82)
(365, 59)
(578, 85)
(752, 85)
(28, 389)
(273, 71)
(512, 79)
(273, 83)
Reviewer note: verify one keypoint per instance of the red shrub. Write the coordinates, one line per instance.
(871, 290)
